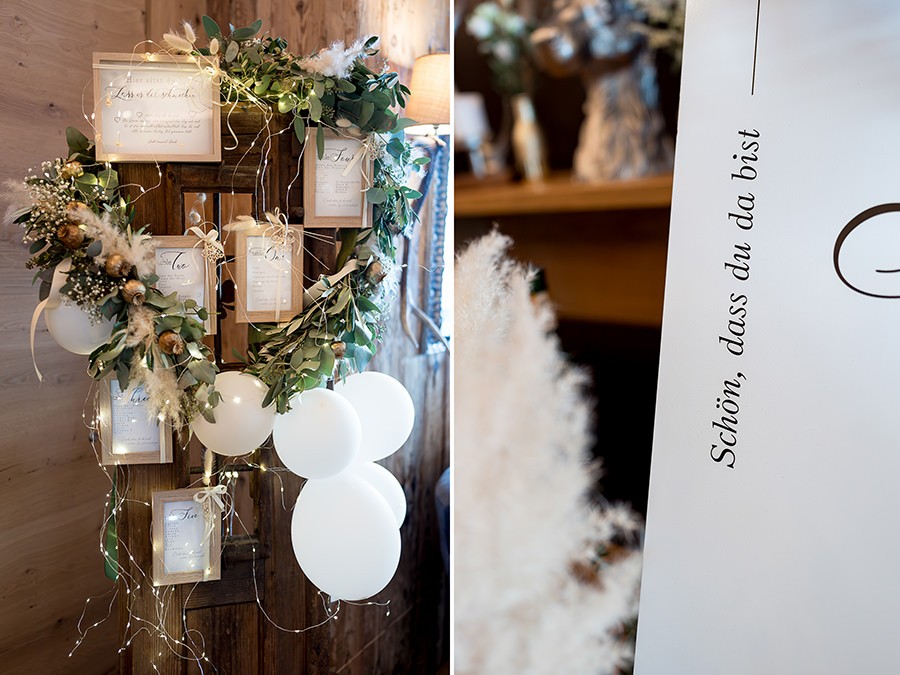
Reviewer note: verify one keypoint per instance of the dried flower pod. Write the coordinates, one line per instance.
(170, 342)
(339, 348)
(73, 207)
(70, 235)
(375, 273)
(134, 292)
(117, 266)
(71, 170)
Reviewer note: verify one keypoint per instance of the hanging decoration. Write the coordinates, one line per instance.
(100, 296)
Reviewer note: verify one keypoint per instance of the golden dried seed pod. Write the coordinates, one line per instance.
(117, 266)
(170, 342)
(134, 292)
(70, 235)
(375, 273)
(339, 348)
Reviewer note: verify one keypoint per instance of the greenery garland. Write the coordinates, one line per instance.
(78, 213)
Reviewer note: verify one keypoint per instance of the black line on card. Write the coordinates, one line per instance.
(755, 47)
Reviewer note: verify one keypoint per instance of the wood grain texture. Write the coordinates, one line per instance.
(558, 193)
(607, 266)
(51, 489)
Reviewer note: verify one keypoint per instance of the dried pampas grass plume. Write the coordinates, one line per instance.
(336, 61)
(522, 523)
(136, 249)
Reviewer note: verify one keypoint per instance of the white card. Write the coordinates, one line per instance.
(269, 270)
(133, 430)
(182, 271)
(339, 195)
(774, 503)
(183, 537)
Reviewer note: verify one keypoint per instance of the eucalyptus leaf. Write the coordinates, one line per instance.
(77, 141)
(211, 27)
(296, 359)
(315, 109)
(403, 123)
(231, 51)
(326, 361)
(123, 374)
(299, 128)
(376, 195)
(366, 109)
(94, 249)
(194, 350)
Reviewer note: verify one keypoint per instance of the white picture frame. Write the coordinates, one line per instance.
(155, 108)
(127, 434)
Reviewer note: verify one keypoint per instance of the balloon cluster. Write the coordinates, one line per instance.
(345, 528)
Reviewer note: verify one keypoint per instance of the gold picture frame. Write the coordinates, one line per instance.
(138, 443)
(185, 548)
(255, 271)
(193, 247)
(137, 99)
(329, 197)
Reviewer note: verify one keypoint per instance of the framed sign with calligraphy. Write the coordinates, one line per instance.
(269, 273)
(155, 108)
(128, 434)
(334, 187)
(187, 536)
(182, 267)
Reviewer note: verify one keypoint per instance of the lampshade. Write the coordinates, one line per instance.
(429, 102)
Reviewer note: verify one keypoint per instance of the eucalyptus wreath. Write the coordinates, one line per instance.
(79, 225)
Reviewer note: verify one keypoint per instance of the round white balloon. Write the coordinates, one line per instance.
(73, 329)
(319, 436)
(345, 537)
(242, 424)
(385, 411)
(387, 485)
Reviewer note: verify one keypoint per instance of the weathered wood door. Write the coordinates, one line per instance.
(259, 569)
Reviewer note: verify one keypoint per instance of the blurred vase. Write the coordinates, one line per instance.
(527, 140)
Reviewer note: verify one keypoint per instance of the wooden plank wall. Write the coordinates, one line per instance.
(51, 490)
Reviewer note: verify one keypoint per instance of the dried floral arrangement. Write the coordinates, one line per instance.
(79, 224)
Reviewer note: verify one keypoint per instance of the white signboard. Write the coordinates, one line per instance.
(774, 506)
(155, 107)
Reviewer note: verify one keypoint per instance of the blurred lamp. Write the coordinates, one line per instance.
(429, 102)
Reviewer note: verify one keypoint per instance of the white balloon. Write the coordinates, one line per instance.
(67, 323)
(385, 411)
(319, 436)
(387, 485)
(73, 329)
(242, 424)
(345, 537)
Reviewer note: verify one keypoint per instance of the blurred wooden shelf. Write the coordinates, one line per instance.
(558, 193)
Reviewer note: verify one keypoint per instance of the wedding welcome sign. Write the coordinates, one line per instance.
(771, 542)
(155, 108)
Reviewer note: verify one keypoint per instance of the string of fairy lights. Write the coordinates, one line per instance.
(188, 643)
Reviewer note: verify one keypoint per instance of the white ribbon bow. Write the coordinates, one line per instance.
(212, 247)
(213, 492)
